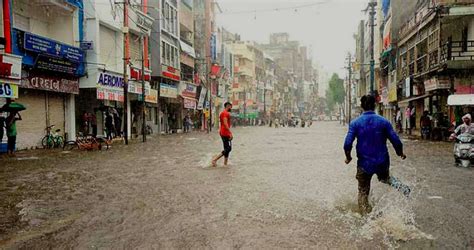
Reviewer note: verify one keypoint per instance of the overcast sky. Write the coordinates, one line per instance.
(327, 28)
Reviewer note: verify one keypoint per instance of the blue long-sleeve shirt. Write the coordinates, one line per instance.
(372, 132)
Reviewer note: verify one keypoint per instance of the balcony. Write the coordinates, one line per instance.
(458, 54)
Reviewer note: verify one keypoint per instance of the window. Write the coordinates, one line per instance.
(173, 59)
(166, 16)
(168, 54)
(163, 55)
(171, 21)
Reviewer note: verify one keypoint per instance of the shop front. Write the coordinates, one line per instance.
(101, 95)
(170, 109)
(10, 77)
(50, 81)
(188, 94)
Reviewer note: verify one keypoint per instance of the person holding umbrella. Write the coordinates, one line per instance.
(14, 109)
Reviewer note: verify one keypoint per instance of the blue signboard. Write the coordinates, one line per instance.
(47, 46)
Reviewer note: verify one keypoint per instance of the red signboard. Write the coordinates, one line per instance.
(169, 75)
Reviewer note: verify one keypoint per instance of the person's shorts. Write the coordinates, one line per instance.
(227, 146)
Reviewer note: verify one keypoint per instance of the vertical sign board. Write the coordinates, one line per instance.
(407, 87)
(202, 97)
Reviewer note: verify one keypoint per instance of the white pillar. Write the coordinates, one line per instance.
(70, 120)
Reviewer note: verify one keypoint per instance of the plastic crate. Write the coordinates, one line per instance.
(4, 146)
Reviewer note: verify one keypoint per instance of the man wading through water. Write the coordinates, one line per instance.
(372, 132)
(226, 135)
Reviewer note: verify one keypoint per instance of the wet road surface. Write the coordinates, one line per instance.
(284, 188)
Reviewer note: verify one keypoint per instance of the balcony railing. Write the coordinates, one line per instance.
(457, 51)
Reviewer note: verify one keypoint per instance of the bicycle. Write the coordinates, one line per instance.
(88, 142)
(52, 140)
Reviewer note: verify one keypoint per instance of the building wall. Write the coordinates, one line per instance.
(51, 23)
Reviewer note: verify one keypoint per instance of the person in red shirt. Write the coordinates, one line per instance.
(225, 134)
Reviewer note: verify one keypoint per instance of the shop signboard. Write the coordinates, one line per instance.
(202, 98)
(136, 88)
(109, 79)
(168, 91)
(50, 83)
(87, 45)
(189, 103)
(170, 72)
(152, 97)
(110, 86)
(109, 94)
(10, 67)
(56, 64)
(8, 90)
(435, 83)
(50, 47)
(187, 89)
(407, 87)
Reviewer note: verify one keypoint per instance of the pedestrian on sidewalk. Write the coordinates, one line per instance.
(425, 125)
(109, 124)
(371, 132)
(225, 134)
(11, 131)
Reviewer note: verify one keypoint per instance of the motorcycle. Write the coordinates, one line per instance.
(464, 150)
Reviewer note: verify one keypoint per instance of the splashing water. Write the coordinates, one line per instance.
(392, 218)
(206, 161)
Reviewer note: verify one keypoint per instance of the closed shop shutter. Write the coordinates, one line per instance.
(56, 111)
(35, 118)
(31, 128)
(109, 46)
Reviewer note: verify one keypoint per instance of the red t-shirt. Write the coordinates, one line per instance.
(224, 131)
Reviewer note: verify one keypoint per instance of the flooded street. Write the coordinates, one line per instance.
(284, 188)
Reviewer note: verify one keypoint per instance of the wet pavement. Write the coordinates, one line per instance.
(284, 188)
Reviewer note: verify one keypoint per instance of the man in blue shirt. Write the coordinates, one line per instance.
(372, 132)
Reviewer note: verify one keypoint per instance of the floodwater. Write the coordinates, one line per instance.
(284, 188)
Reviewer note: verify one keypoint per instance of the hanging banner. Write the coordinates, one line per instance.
(202, 97)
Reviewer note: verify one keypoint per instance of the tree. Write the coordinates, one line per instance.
(336, 92)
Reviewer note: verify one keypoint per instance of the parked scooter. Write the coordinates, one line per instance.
(464, 150)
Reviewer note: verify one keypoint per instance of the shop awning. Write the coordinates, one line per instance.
(461, 100)
(187, 49)
(406, 101)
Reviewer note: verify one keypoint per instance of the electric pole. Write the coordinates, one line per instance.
(126, 60)
(372, 13)
(349, 87)
(143, 90)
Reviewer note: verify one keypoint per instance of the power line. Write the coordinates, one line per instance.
(296, 7)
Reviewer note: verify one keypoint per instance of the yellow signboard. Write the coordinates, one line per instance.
(392, 95)
(8, 90)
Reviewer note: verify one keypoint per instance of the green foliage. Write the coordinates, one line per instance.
(336, 92)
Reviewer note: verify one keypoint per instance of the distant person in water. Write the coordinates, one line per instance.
(372, 132)
(225, 134)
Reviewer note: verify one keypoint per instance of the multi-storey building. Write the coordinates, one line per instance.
(102, 88)
(435, 60)
(47, 36)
